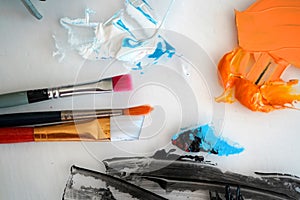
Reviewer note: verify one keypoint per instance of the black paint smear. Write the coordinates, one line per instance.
(193, 175)
(89, 193)
(163, 155)
(277, 174)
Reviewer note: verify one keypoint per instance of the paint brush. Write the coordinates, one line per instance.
(50, 117)
(31, 8)
(116, 128)
(119, 83)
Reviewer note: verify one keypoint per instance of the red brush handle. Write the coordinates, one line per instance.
(16, 135)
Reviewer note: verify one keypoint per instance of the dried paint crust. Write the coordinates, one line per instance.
(251, 73)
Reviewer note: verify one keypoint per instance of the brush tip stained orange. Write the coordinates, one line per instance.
(138, 110)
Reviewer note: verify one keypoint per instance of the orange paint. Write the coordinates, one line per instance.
(269, 40)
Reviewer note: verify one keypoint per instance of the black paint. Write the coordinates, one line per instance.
(194, 176)
(90, 193)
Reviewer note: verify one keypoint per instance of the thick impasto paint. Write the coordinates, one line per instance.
(204, 138)
(130, 35)
(268, 36)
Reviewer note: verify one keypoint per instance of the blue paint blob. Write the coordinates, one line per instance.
(158, 52)
(203, 138)
(162, 48)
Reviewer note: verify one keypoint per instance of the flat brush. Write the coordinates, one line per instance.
(52, 117)
(116, 128)
(117, 84)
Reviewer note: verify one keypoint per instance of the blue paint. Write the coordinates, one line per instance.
(147, 15)
(170, 50)
(122, 25)
(158, 52)
(147, 3)
(139, 66)
(130, 43)
(162, 48)
(204, 138)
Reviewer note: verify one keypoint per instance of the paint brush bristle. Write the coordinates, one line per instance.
(122, 83)
(138, 110)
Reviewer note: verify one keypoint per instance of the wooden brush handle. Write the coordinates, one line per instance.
(16, 135)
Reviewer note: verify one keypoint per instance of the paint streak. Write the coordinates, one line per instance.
(203, 138)
(144, 9)
(162, 48)
(118, 37)
(130, 43)
(87, 184)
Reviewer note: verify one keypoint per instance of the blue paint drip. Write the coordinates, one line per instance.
(204, 138)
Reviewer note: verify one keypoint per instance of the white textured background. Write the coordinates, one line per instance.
(40, 170)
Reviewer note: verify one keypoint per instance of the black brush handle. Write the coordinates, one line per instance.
(32, 118)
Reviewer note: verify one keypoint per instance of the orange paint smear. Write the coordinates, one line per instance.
(280, 93)
(269, 40)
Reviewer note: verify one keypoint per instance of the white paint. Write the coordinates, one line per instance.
(129, 35)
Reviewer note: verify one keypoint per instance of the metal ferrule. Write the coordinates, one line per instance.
(90, 114)
(102, 86)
